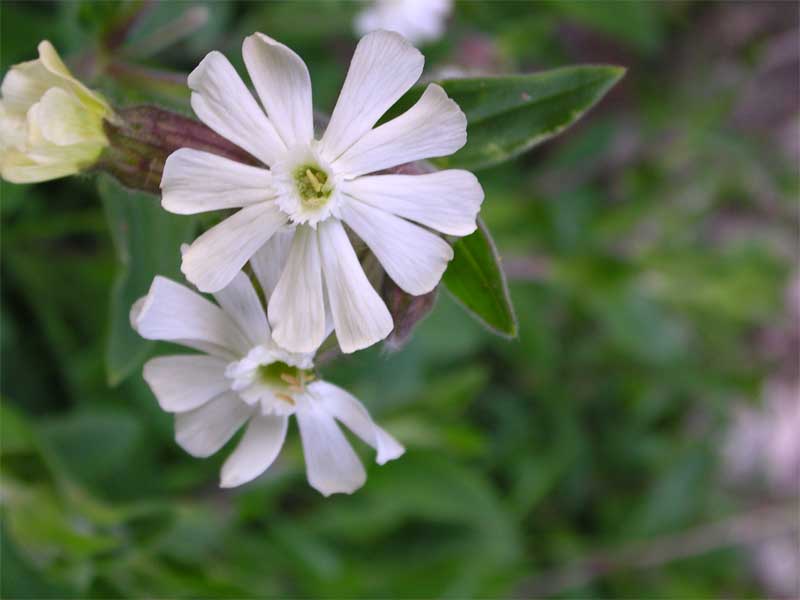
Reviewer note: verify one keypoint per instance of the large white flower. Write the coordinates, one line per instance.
(313, 187)
(418, 20)
(240, 377)
(51, 125)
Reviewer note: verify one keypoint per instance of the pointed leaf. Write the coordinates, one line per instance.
(476, 279)
(511, 114)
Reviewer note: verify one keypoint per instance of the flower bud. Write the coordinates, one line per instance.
(407, 312)
(142, 137)
(51, 125)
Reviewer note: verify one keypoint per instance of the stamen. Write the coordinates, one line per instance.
(285, 397)
(290, 379)
(314, 181)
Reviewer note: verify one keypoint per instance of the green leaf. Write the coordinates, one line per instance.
(94, 445)
(476, 279)
(511, 114)
(14, 431)
(147, 240)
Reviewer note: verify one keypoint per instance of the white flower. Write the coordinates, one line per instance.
(51, 125)
(240, 377)
(314, 186)
(418, 20)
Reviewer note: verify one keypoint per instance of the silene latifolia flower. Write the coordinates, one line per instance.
(418, 20)
(51, 125)
(313, 188)
(240, 377)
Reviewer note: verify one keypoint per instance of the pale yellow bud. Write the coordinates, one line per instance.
(51, 125)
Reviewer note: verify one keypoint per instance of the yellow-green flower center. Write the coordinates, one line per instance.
(313, 185)
(284, 379)
(274, 373)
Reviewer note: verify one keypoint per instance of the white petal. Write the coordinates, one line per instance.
(26, 82)
(384, 66)
(359, 315)
(257, 450)
(203, 431)
(241, 303)
(284, 86)
(53, 63)
(184, 382)
(347, 409)
(413, 257)
(296, 308)
(331, 465)
(221, 100)
(16, 167)
(217, 255)
(195, 181)
(269, 261)
(434, 126)
(60, 118)
(447, 201)
(174, 313)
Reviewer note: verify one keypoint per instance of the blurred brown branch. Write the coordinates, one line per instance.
(745, 529)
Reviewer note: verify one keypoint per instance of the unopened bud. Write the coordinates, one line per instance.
(407, 311)
(51, 125)
(142, 138)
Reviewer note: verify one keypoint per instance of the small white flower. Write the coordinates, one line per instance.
(51, 125)
(243, 377)
(313, 187)
(418, 20)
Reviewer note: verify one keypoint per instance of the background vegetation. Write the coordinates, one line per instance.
(649, 252)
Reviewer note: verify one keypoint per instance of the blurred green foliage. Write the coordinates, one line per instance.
(645, 250)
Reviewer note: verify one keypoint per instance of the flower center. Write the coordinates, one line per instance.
(270, 378)
(280, 376)
(313, 185)
(306, 187)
